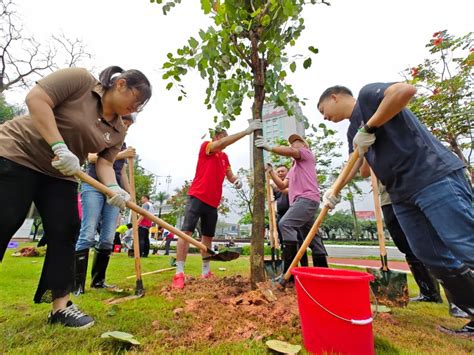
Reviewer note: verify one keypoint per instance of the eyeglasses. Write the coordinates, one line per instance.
(138, 106)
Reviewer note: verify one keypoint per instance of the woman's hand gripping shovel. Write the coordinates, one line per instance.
(273, 267)
(226, 255)
(390, 287)
(336, 188)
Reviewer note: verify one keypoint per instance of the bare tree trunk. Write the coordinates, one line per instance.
(354, 216)
(257, 273)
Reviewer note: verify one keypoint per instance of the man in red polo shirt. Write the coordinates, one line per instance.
(205, 195)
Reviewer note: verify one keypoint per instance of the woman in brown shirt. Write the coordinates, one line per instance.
(71, 114)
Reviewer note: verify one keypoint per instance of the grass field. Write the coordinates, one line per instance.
(23, 327)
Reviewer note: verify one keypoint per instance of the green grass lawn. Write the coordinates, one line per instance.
(23, 327)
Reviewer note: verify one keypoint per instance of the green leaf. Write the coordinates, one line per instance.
(169, 86)
(206, 6)
(238, 29)
(293, 67)
(307, 63)
(180, 98)
(313, 49)
(266, 20)
(283, 347)
(193, 43)
(121, 336)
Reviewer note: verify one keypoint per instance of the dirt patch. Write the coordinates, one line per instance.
(227, 309)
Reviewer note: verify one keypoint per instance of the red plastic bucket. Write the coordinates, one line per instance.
(117, 248)
(335, 310)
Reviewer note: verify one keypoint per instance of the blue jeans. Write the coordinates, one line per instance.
(95, 209)
(438, 221)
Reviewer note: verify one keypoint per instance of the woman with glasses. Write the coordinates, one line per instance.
(71, 114)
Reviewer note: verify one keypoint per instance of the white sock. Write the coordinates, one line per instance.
(206, 267)
(179, 267)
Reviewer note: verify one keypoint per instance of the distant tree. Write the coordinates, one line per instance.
(243, 201)
(161, 198)
(7, 111)
(23, 60)
(445, 98)
(144, 181)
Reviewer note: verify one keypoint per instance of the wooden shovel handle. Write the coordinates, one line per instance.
(378, 218)
(141, 211)
(271, 215)
(136, 242)
(336, 188)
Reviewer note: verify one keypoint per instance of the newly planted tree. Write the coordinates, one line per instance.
(244, 55)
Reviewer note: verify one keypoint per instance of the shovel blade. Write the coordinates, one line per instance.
(390, 287)
(226, 255)
(273, 269)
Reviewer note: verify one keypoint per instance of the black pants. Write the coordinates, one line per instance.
(56, 201)
(168, 245)
(144, 241)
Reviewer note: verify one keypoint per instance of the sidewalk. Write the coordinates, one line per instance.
(393, 265)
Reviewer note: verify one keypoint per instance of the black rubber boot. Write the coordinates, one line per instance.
(99, 267)
(429, 287)
(304, 259)
(289, 251)
(320, 261)
(460, 286)
(80, 274)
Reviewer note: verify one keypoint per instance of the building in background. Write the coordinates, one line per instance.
(278, 125)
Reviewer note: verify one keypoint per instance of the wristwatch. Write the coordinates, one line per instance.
(369, 129)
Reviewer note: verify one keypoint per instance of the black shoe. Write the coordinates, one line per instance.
(466, 331)
(423, 298)
(71, 317)
(102, 284)
(80, 273)
(99, 267)
(457, 312)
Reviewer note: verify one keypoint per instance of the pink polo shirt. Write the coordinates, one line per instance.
(302, 180)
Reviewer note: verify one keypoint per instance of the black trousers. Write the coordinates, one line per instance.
(144, 239)
(56, 201)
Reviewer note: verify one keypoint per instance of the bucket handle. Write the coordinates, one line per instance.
(352, 321)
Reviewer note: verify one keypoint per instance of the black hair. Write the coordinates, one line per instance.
(129, 225)
(134, 78)
(147, 196)
(337, 89)
(282, 166)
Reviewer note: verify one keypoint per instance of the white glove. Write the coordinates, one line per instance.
(362, 141)
(260, 142)
(238, 184)
(329, 200)
(253, 125)
(268, 167)
(120, 198)
(67, 163)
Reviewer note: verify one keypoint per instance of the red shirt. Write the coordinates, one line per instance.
(211, 170)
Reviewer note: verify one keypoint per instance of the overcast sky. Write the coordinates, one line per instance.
(359, 42)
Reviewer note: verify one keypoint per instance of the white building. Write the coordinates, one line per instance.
(278, 125)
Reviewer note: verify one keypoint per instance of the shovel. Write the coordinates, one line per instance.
(226, 255)
(390, 287)
(273, 267)
(336, 188)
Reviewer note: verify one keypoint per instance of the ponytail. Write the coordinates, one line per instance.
(106, 77)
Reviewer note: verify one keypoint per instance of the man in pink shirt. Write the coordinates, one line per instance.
(304, 198)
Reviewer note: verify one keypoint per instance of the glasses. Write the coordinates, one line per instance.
(138, 106)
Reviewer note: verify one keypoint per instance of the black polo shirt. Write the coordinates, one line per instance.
(405, 156)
